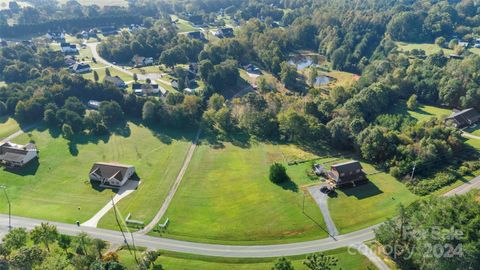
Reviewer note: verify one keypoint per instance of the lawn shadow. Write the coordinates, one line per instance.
(29, 169)
(362, 190)
(289, 185)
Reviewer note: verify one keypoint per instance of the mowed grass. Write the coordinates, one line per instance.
(227, 197)
(8, 126)
(101, 3)
(429, 48)
(58, 188)
(183, 25)
(180, 261)
(102, 72)
(422, 113)
(359, 207)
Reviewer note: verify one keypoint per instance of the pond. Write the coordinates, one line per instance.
(301, 61)
(322, 80)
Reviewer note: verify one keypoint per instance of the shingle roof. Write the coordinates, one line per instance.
(110, 170)
(465, 117)
(15, 153)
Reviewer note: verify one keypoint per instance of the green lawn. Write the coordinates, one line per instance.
(179, 261)
(226, 197)
(8, 126)
(183, 25)
(362, 206)
(113, 72)
(58, 188)
(423, 112)
(101, 3)
(427, 47)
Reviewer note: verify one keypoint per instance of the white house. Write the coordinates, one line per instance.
(16, 155)
(55, 36)
(66, 48)
(94, 104)
(140, 61)
(81, 68)
(111, 174)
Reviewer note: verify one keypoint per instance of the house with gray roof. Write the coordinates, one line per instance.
(16, 155)
(111, 174)
(463, 118)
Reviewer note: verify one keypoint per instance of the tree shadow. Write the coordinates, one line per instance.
(361, 190)
(289, 185)
(29, 169)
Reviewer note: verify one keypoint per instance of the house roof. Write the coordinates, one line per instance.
(110, 170)
(114, 79)
(347, 167)
(14, 152)
(78, 66)
(465, 117)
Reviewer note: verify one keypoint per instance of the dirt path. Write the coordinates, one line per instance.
(173, 189)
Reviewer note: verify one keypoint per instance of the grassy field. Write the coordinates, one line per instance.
(8, 126)
(183, 25)
(57, 188)
(226, 197)
(423, 112)
(179, 261)
(113, 72)
(427, 47)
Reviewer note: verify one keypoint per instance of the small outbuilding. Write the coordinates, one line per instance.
(111, 174)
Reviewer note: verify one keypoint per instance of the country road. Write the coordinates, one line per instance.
(352, 239)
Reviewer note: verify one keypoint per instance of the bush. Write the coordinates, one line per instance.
(278, 173)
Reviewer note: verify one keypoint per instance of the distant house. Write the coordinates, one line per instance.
(67, 48)
(463, 118)
(55, 36)
(108, 30)
(196, 35)
(94, 104)
(188, 90)
(111, 174)
(346, 173)
(81, 68)
(174, 84)
(252, 68)
(455, 56)
(140, 61)
(115, 80)
(464, 44)
(16, 155)
(226, 32)
(69, 60)
(147, 89)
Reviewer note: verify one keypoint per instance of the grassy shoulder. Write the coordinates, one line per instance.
(8, 126)
(57, 187)
(226, 197)
(173, 260)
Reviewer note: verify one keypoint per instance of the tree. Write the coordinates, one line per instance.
(64, 241)
(216, 102)
(67, 131)
(27, 258)
(148, 112)
(288, 75)
(150, 257)
(135, 77)
(278, 173)
(95, 76)
(440, 41)
(320, 261)
(412, 102)
(99, 245)
(111, 112)
(107, 72)
(45, 233)
(283, 264)
(15, 239)
(3, 108)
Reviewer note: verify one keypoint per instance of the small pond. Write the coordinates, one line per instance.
(322, 80)
(302, 62)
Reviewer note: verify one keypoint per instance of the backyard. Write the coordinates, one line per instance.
(423, 112)
(57, 186)
(226, 197)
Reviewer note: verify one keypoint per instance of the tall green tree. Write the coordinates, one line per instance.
(45, 233)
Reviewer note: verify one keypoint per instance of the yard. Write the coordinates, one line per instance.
(429, 48)
(423, 112)
(8, 126)
(226, 197)
(180, 261)
(359, 207)
(183, 25)
(113, 72)
(57, 187)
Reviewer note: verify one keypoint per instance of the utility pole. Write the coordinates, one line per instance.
(413, 170)
(9, 207)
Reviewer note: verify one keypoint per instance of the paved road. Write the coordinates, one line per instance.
(322, 201)
(153, 77)
(472, 184)
(174, 187)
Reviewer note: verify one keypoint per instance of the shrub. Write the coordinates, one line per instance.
(278, 173)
